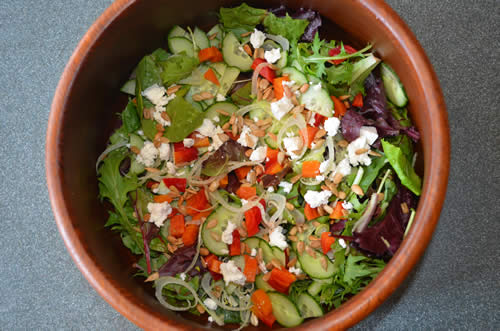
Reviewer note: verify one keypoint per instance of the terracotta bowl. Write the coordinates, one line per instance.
(84, 114)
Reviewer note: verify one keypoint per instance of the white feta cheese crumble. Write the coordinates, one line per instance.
(148, 154)
(156, 94)
(257, 38)
(259, 154)
(320, 178)
(347, 205)
(370, 133)
(288, 83)
(246, 138)
(210, 304)
(316, 199)
(323, 167)
(344, 167)
(287, 187)
(294, 270)
(342, 243)
(188, 142)
(281, 107)
(332, 126)
(219, 97)
(158, 118)
(244, 202)
(292, 144)
(356, 159)
(270, 189)
(253, 252)
(159, 212)
(164, 151)
(207, 128)
(262, 267)
(128, 146)
(278, 239)
(210, 319)
(227, 234)
(216, 119)
(171, 168)
(183, 276)
(273, 55)
(231, 273)
(216, 141)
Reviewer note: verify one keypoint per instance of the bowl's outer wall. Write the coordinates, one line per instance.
(84, 114)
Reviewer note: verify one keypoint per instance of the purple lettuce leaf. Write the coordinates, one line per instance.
(179, 261)
(233, 183)
(305, 14)
(385, 237)
(338, 226)
(351, 123)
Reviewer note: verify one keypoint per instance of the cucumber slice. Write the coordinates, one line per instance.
(227, 80)
(284, 310)
(308, 307)
(279, 255)
(315, 286)
(283, 60)
(136, 141)
(212, 113)
(181, 44)
(136, 167)
(200, 38)
(312, 265)
(295, 75)
(239, 261)
(129, 87)
(267, 251)
(317, 99)
(262, 284)
(363, 67)
(252, 242)
(393, 87)
(177, 31)
(233, 53)
(222, 216)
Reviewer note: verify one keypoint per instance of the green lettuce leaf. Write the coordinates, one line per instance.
(185, 118)
(290, 28)
(130, 118)
(402, 166)
(340, 74)
(177, 67)
(354, 270)
(371, 172)
(242, 17)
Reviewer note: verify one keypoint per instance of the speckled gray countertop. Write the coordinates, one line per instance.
(456, 284)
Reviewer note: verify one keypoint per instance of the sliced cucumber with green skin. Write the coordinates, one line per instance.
(316, 285)
(136, 141)
(239, 261)
(282, 62)
(177, 31)
(233, 53)
(262, 284)
(279, 255)
(284, 310)
(136, 167)
(318, 100)
(363, 67)
(308, 307)
(252, 242)
(200, 38)
(212, 112)
(181, 44)
(267, 251)
(217, 247)
(295, 75)
(129, 87)
(227, 80)
(312, 265)
(393, 87)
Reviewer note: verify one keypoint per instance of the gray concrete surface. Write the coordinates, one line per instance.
(456, 284)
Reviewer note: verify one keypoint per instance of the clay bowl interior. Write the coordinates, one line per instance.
(84, 115)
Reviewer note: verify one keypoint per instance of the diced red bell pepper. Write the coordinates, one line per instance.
(326, 242)
(281, 279)
(213, 263)
(210, 76)
(319, 119)
(179, 183)
(253, 217)
(184, 154)
(310, 169)
(196, 203)
(310, 213)
(272, 165)
(310, 133)
(235, 247)
(338, 107)
(262, 307)
(358, 100)
(177, 227)
(190, 235)
(242, 172)
(338, 211)
(337, 50)
(266, 72)
(246, 192)
(150, 183)
(251, 268)
(211, 54)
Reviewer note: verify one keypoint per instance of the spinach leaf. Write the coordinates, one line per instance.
(340, 74)
(242, 96)
(372, 171)
(148, 73)
(177, 67)
(402, 166)
(160, 55)
(185, 118)
(130, 118)
(291, 29)
(243, 16)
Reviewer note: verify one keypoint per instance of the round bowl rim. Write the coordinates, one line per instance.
(351, 312)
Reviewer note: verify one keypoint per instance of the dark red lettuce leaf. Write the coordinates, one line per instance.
(391, 228)
(274, 180)
(351, 123)
(304, 14)
(229, 151)
(179, 261)
(337, 226)
(233, 182)
(374, 102)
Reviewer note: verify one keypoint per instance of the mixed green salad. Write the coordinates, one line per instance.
(261, 173)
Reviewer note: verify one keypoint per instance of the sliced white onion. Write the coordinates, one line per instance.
(106, 152)
(284, 43)
(292, 121)
(161, 282)
(280, 205)
(363, 221)
(249, 205)
(256, 73)
(195, 258)
(205, 285)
